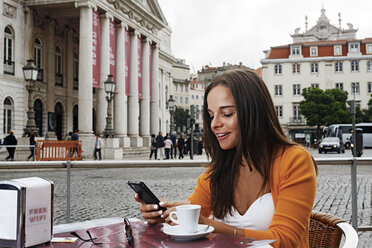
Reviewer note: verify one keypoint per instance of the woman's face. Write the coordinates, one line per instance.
(224, 120)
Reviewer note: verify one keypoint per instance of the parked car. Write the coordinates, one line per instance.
(331, 144)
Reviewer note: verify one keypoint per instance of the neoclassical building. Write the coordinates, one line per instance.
(76, 45)
(325, 56)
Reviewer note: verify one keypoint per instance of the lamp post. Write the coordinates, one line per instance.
(172, 109)
(109, 89)
(30, 74)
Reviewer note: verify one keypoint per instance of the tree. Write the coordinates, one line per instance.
(324, 107)
(180, 117)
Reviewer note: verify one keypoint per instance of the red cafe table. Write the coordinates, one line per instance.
(111, 234)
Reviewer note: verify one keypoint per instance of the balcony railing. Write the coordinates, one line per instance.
(297, 120)
(59, 79)
(9, 67)
(40, 75)
(76, 83)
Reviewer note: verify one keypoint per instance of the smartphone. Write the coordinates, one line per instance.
(145, 193)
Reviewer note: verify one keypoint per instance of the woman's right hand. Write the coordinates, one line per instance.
(150, 212)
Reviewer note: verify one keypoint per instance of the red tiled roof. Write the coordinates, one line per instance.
(258, 71)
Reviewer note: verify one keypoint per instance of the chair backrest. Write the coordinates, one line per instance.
(324, 231)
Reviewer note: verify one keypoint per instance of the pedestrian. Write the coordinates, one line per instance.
(259, 184)
(173, 138)
(153, 148)
(180, 146)
(10, 141)
(160, 144)
(69, 136)
(98, 147)
(200, 146)
(188, 146)
(167, 146)
(32, 146)
(75, 137)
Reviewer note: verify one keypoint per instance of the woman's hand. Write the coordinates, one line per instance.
(170, 206)
(150, 212)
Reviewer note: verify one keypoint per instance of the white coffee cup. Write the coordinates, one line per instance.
(187, 217)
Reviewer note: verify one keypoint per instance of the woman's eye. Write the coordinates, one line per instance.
(211, 117)
(228, 114)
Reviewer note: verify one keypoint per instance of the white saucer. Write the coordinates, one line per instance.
(177, 233)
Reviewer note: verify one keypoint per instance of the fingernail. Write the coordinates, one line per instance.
(161, 211)
(156, 206)
(161, 203)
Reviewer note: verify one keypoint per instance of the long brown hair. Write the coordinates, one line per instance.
(260, 137)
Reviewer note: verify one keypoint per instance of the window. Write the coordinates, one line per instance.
(186, 100)
(59, 66)
(181, 86)
(181, 100)
(314, 68)
(354, 66)
(314, 85)
(278, 69)
(295, 50)
(369, 65)
(296, 89)
(38, 55)
(8, 50)
(296, 68)
(313, 51)
(278, 90)
(175, 87)
(197, 97)
(296, 113)
(369, 48)
(337, 50)
(340, 86)
(192, 97)
(338, 67)
(76, 70)
(355, 88)
(354, 47)
(279, 111)
(369, 87)
(186, 88)
(7, 115)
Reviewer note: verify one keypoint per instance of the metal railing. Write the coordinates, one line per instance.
(106, 164)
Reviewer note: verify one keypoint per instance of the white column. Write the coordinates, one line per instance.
(154, 104)
(120, 106)
(133, 107)
(29, 25)
(70, 79)
(145, 102)
(51, 75)
(85, 69)
(105, 70)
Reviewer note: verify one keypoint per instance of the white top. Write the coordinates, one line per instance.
(168, 144)
(258, 216)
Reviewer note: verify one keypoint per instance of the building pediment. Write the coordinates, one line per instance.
(324, 30)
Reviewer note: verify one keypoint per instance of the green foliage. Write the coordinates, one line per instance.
(180, 117)
(324, 107)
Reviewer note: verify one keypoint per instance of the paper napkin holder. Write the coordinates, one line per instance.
(26, 212)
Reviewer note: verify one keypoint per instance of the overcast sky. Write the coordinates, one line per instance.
(210, 32)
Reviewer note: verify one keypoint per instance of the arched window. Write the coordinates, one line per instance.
(75, 117)
(59, 76)
(8, 50)
(8, 114)
(76, 70)
(38, 55)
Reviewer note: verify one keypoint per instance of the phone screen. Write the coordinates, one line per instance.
(145, 193)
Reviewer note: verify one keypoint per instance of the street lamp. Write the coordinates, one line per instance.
(30, 74)
(172, 109)
(109, 89)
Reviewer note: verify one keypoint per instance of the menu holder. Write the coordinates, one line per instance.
(26, 212)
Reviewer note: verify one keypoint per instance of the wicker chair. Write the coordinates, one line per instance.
(326, 231)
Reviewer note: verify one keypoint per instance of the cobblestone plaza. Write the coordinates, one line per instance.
(101, 193)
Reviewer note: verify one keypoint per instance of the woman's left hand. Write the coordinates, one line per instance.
(171, 206)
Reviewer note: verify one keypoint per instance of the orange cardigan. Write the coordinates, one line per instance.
(293, 187)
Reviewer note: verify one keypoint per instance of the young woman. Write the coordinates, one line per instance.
(258, 184)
